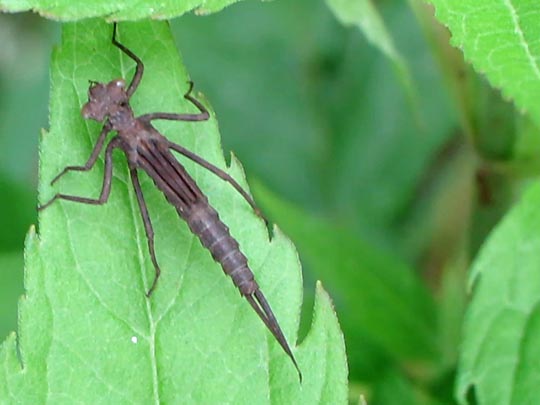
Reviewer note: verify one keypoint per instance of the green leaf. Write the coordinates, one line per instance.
(499, 356)
(67, 10)
(87, 331)
(364, 15)
(394, 389)
(377, 293)
(500, 39)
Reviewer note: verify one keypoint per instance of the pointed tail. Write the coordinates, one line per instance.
(261, 306)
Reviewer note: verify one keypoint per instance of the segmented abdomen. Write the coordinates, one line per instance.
(204, 222)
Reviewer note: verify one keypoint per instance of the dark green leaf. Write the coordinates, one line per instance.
(320, 115)
(376, 293)
(11, 272)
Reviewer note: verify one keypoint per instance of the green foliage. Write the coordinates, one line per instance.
(321, 117)
(366, 16)
(497, 362)
(87, 331)
(499, 356)
(379, 295)
(500, 40)
(377, 148)
(67, 10)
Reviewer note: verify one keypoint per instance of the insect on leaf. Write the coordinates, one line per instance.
(87, 330)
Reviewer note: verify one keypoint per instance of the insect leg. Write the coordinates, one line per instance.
(262, 308)
(218, 172)
(93, 157)
(105, 190)
(147, 226)
(204, 112)
(140, 66)
(202, 116)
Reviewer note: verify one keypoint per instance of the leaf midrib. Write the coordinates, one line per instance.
(522, 41)
(152, 324)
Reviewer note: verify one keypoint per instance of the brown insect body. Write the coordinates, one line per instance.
(146, 149)
(171, 178)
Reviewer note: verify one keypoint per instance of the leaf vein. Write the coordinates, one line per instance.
(151, 323)
(172, 302)
(78, 271)
(519, 31)
(96, 373)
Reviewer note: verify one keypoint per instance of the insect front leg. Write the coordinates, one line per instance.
(204, 112)
(202, 116)
(105, 189)
(93, 157)
(147, 226)
(140, 66)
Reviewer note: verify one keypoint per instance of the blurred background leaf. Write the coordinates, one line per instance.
(378, 295)
(24, 84)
